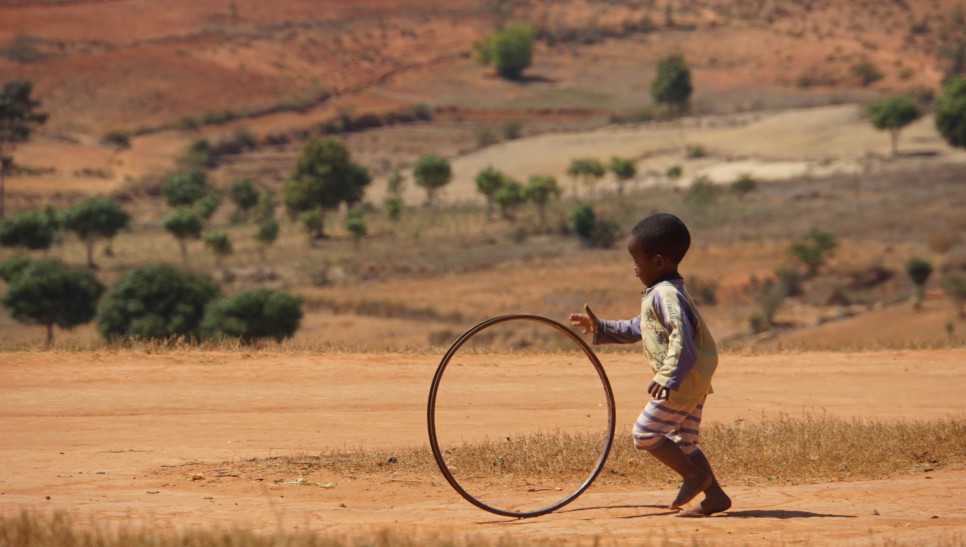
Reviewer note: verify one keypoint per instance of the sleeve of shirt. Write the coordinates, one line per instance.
(625, 331)
(676, 315)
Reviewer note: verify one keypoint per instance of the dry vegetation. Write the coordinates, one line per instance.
(788, 450)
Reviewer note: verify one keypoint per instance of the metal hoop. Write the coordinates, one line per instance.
(431, 415)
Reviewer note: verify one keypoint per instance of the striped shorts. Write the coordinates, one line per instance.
(662, 420)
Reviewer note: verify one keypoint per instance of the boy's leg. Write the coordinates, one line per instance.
(694, 479)
(715, 500)
(658, 423)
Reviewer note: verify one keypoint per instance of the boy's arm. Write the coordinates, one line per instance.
(606, 331)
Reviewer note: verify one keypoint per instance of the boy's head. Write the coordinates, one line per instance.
(658, 244)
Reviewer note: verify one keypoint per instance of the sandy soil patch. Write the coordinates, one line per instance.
(101, 435)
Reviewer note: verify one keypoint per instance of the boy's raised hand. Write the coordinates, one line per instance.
(587, 320)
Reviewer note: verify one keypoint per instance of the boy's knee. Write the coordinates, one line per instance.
(648, 441)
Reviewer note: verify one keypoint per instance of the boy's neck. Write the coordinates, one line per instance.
(669, 276)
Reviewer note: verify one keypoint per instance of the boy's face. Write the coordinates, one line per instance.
(648, 268)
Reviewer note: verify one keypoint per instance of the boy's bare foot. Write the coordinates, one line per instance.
(691, 487)
(715, 501)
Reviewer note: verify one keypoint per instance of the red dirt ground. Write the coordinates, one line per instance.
(106, 436)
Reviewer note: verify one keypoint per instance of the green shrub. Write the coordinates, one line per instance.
(694, 151)
(581, 221)
(866, 72)
(743, 185)
(813, 249)
(253, 315)
(155, 301)
(119, 139)
(510, 50)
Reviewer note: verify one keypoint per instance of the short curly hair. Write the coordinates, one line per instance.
(663, 234)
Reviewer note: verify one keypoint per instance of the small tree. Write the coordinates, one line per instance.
(919, 271)
(743, 185)
(488, 181)
(207, 205)
(509, 196)
(49, 292)
(950, 115)
(813, 249)
(431, 173)
(220, 244)
(324, 178)
(394, 207)
(266, 234)
(541, 190)
(892, 114)
(396, 184)
(184, 188)
(955, 286)
(100, 217)
(624, 170)
(672, 84)
(582, 219)
(355, 223)
(183, 224)
(155, 301)
(34, 230)
(311, 223)
(393, 201)
(509, 49)
(18, 118)
(588, 171)
(243, 194)
(253, 315)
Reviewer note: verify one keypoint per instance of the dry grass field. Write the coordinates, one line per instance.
(842, 424)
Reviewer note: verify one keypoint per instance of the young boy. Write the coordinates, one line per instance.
(681, 352)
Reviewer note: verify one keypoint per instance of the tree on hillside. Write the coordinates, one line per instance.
(185, 187)
(541, 190)
(919, 271)
(623, 169)
(355, 223)
(813, 249)
(155, 301)
(672, 83)
(324, 177)
(253, 315)
(18, 118)
(510, 50)
(488, 181)
(431, 173)
(266, 233)
(393, 201)
(509, 196)
(183, 224)
(892, 114)
(33, 230)
(950, 116)
(48, 292)
(588, 171)
(100, 217)
(220, 244)
(208, 205)
(955, 286)
(243, 194)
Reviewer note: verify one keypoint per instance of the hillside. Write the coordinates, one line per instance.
(779, 94)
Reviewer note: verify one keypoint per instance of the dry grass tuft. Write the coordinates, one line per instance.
(34, 530)
(784, 449)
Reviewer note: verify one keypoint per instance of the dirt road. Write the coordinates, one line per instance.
(110, 437)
